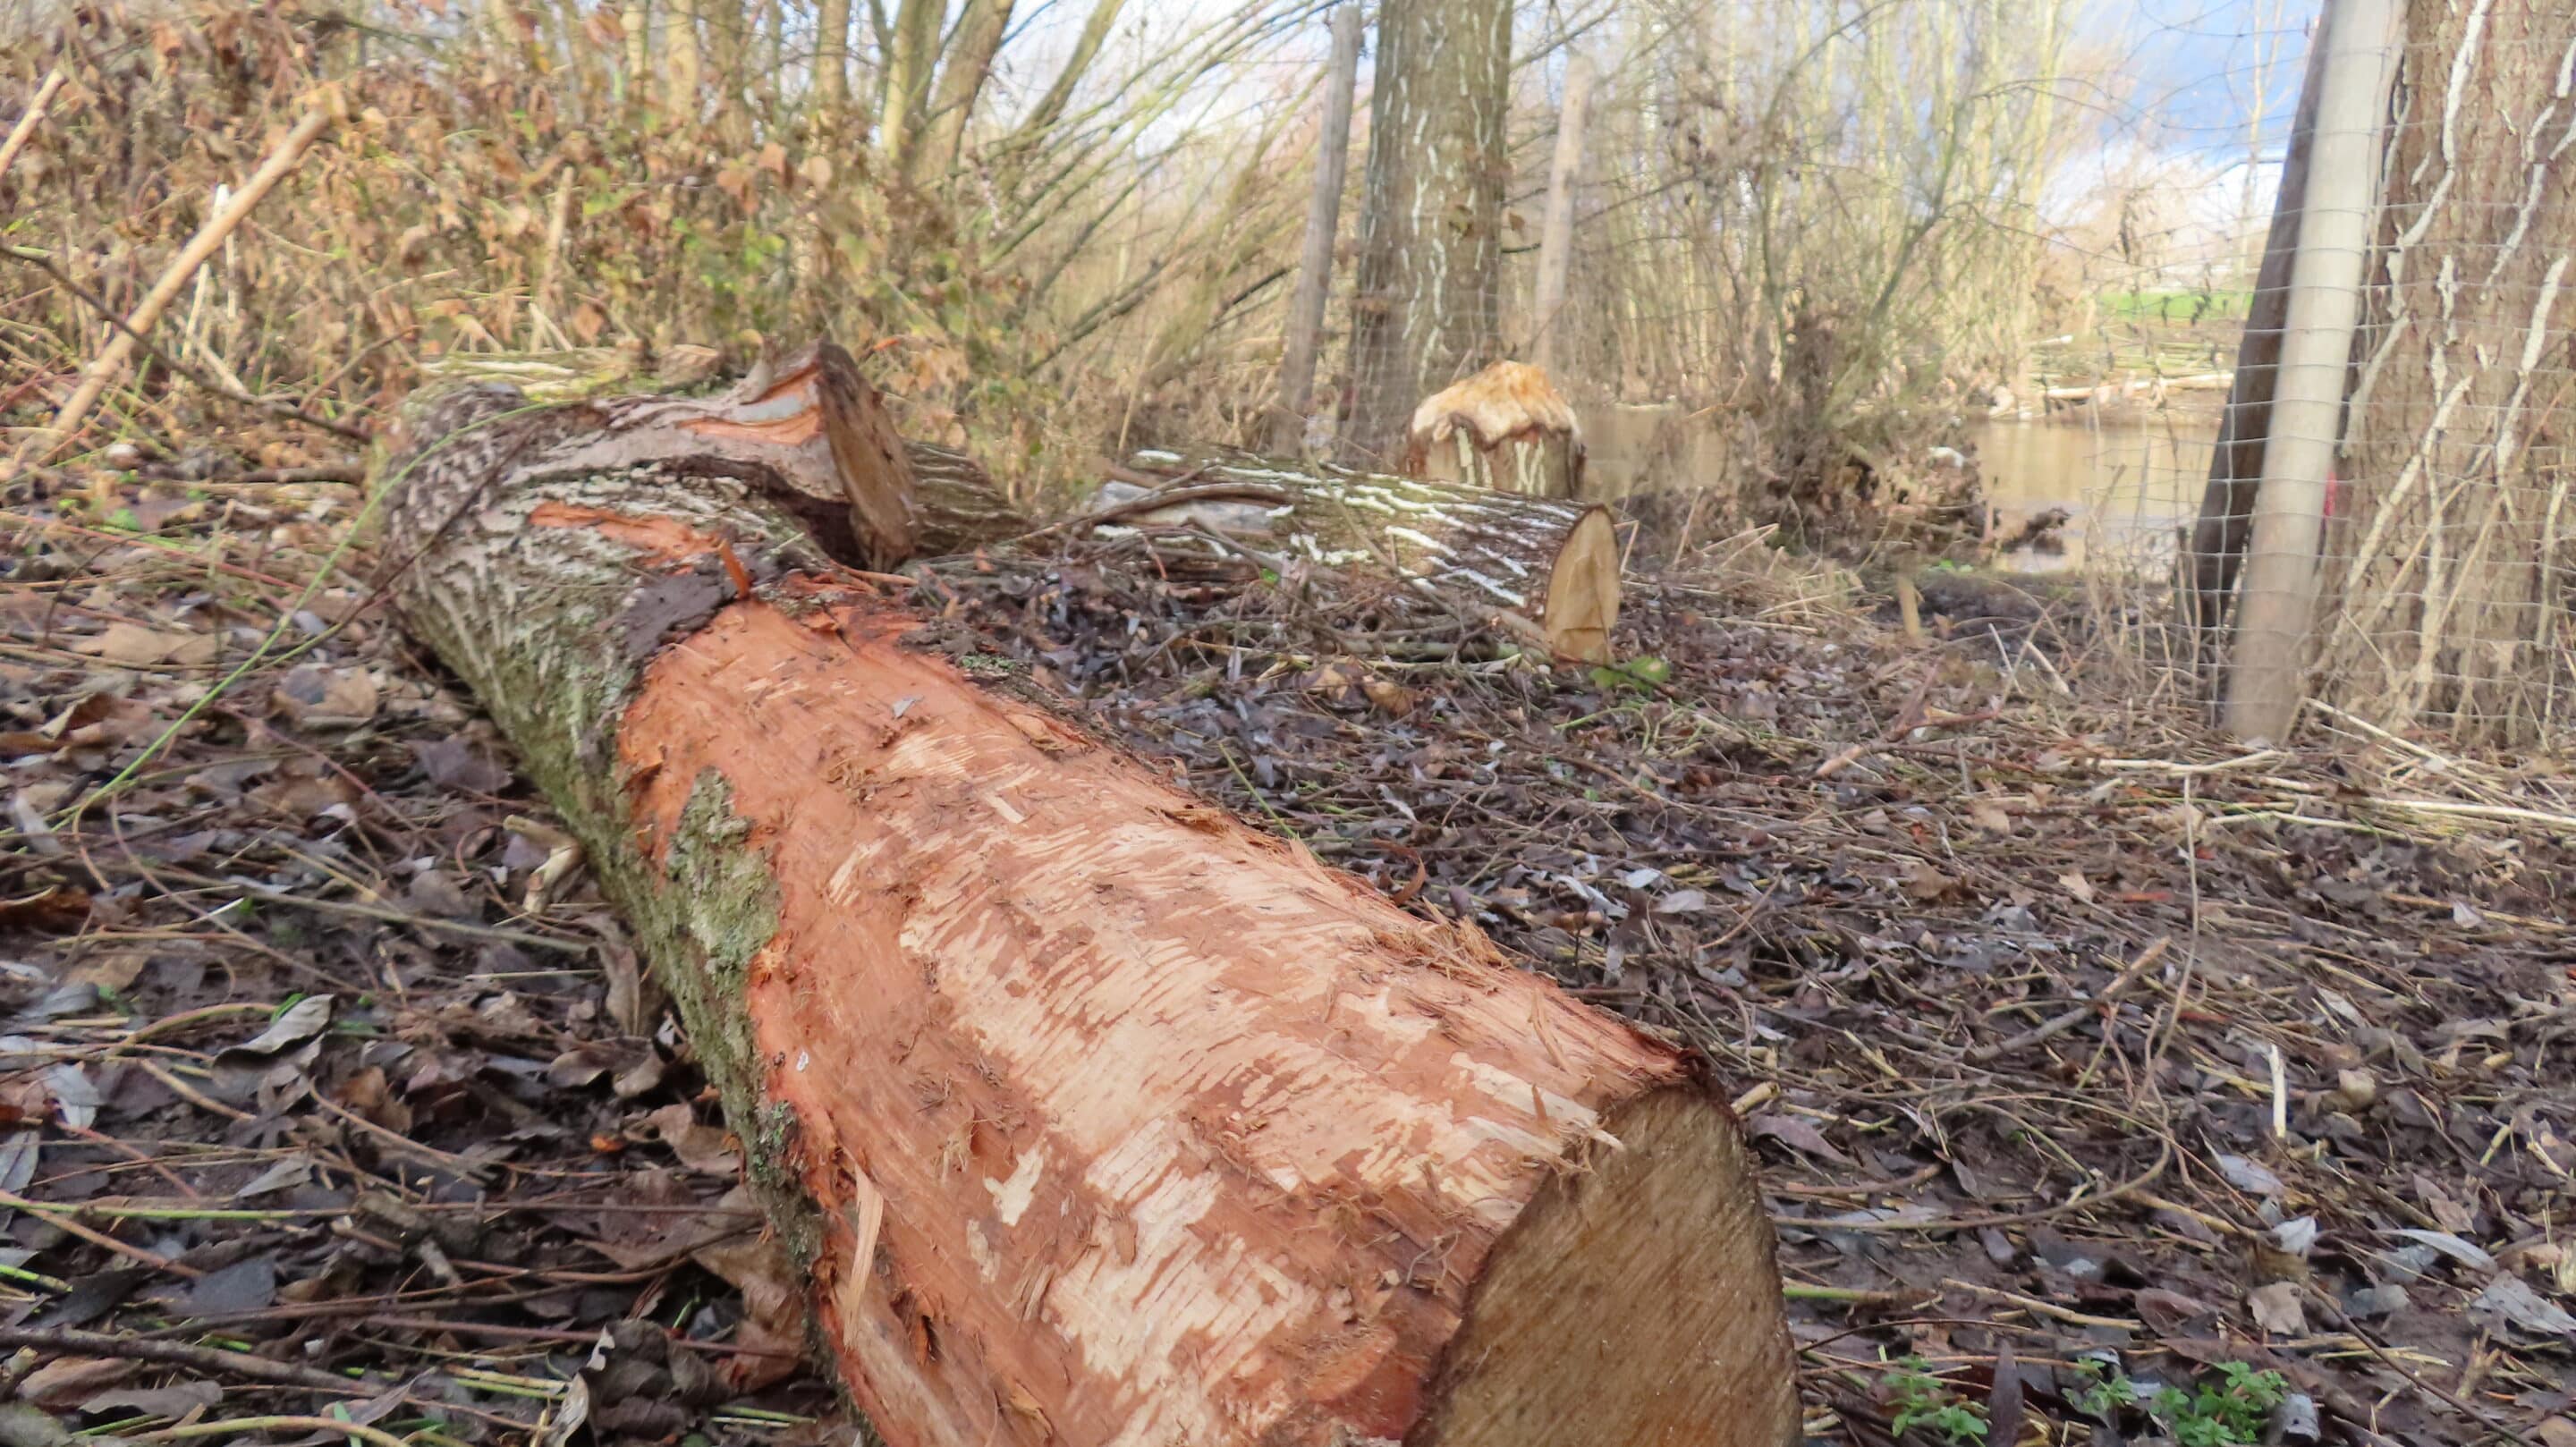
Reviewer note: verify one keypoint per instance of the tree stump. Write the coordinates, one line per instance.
(1506, 428)
(1091, 1115)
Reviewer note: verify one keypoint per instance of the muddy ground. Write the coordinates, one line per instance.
(2089, 1055)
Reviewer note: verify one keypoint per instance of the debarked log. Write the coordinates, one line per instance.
(1546, 568)
(1091, 1115)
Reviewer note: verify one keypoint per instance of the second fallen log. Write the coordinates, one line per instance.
(1544, 569)
(1091, 1116)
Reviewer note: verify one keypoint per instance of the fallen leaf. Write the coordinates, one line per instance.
(1796, 1134)
(699, 1147)
(295, 1170)
(2556, 1432)
(294, 1025)
(2074, 883)
(2277, 1309)
(175, 1400)
(2247, 1175)
(76, 1097)
(1393, 698)
(246, 1285)
(2449, 1245)
(2510, 1300)
(451, 763)
(59, 910)
(25, 1426)
(1682, 901)
(2167, 1312)
(66, 1380)
(327, 697)
(135, 645)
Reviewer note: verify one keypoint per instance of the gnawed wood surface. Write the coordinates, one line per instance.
(1507, 428)
(1544, 570)
(1091, 1115)
(811, 426)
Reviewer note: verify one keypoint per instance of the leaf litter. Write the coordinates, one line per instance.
(328, 1086)
(2047, 1010)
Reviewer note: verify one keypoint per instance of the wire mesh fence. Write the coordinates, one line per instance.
(1784, 279)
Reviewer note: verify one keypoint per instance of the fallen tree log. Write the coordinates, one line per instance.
(1544, 568)
(811, 430)
(1090, 1115)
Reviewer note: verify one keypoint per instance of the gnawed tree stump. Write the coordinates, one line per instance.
(1091, 1115)
(1507, 428)
(1544, 570)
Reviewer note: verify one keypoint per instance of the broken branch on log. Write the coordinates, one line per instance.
(1090, 1114)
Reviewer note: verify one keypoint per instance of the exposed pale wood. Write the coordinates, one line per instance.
(1315, 253)
(2272, 645)
(1556, 232)
(1507, 428)
(34, 116)
(1544, 569)
(1091, 1115)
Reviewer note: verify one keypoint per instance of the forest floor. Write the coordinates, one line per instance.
(2104, 1074)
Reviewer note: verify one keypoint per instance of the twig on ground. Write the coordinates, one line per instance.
(213, 1360)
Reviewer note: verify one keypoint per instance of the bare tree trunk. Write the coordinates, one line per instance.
(2452, 530)
(1323, 224)
(969, 64)
(832, 57)
(914, 54)
(728, 28)
(680, 77)
(1556, 233)
(1086, 1114)
(635, 24)
(1059, 92)
(1429, 304)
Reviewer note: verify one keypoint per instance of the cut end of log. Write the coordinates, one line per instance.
(1583, 590)
(1632, 1303)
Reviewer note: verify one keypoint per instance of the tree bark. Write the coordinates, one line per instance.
(1556, 232)
(680, 79)
(1090, 1115)
(1304, 340)
(905, 74)
(1429, 304)
(832, 57)
(980, 29)
(1059, 92)
(2452, 536)
(1543, 570)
